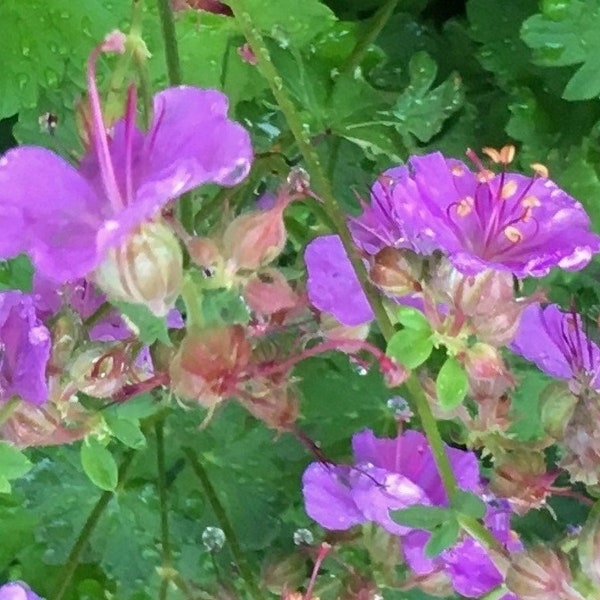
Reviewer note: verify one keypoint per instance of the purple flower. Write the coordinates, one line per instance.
(332, 284)
(557, 344)
(66, 219)
(24, 349)
(391, 474)
(15, 590)
(504, 221)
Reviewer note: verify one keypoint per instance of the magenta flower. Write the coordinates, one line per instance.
(506, 221)
(24, 349)
(332, 285)
(391, 474)
(15, 590)
(66, 219)
(556, 343)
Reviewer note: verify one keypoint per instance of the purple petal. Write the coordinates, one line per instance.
(328, 499)
(16, 590)
(377, 491)
(25, 344)
(48, 211)
(332, 284)
(413, 548)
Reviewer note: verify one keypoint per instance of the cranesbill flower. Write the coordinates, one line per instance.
(506, 221)
(391, 474)
(15, 590)
(67, 219)
(556, 343)
(24, 349)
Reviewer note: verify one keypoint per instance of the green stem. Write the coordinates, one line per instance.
(165, 13)
(320, 182)
(88, 528)
(380, 18)
(224, 523)
(167, 557)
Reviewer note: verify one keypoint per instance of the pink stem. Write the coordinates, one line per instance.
(323, 550)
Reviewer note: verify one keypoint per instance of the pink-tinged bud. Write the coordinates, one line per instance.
(269, 292)
(393, 272)
(522, 478)
(581, 443)
(54, 423)
(557, 405)
(213, 6)
(114, 42)
(100, 370)
(255, 239)
(332, 329)
(147, 269)
(588, 548)
(274, 405)
(539, 574)
(209, 363)
(66, 335)
(204, 252)
(483, 361)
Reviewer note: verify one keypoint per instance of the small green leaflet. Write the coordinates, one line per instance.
(452, 384)
(99, 465)
(151, 327)
(13, 464)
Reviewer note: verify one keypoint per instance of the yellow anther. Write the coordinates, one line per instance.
(540, 170)
(457, 171)
(530, 202)
(508, 190)
(504, 156)
(464, 206)
(485, 175)
(513, 234)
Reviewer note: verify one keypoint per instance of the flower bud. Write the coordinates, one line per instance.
(255, 239)
(208, 363)
(588, 547)
(269, 292)
(203, 252)
(539, 574)
(393, 273)
(557, 404)
(147, 269)
(275, 405)
(66, 334)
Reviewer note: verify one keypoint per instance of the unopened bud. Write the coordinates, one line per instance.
(208, 363)
(66, 334)
(588, 547)
(147, 269)
(255, 239)
(392, 272)
(269, 292)
(275, 405)
(539, 574)
(99, 371)
(557, 404)
(203, 252)
(298, 180)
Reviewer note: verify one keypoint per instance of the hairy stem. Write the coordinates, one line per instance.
(320, 182)
(224, 523)
(165, 13)
(167, 558)
(88, 528)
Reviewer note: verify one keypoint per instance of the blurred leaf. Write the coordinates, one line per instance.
(442, 537)
(422, 517)
(13, 464)
(224, 307)
(410, 347)
(16, 274)
(127, 431)
(452, 384)
(151, 328)
(566, 33)
(468, 503)
(413, 318)
(99, 464)
(421, 109)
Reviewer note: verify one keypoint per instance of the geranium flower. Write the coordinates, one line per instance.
(506, 221)
(67, 219)
(15, 590)
(391, 474)
(24, 349)
(556, 343)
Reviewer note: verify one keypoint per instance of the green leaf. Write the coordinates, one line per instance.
(442, 537)
(422, 517)
(451, 384)
(223, 306)
(413, 318)
(16, 274)
(99, 465)
(127, 431)
(151, 327)
(421, 109)
(410, 347)
(13, 463)
(469, 504)
(568, 36)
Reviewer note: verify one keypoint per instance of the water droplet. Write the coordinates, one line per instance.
(213, 538)
(26, 50)
(303, 537)
(51, 77)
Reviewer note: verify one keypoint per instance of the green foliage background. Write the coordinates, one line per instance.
(436, 75)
